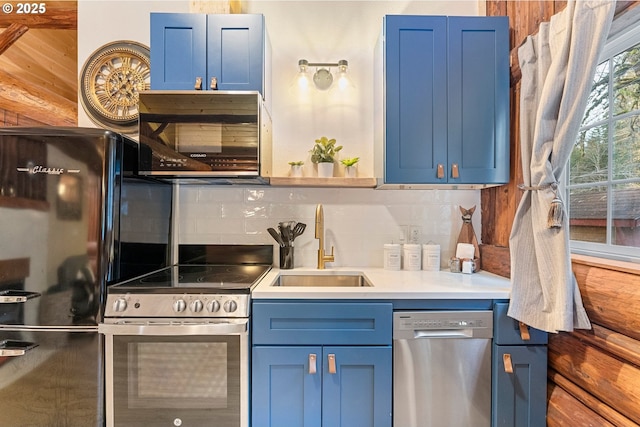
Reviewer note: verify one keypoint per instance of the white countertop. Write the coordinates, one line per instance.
(390, 285)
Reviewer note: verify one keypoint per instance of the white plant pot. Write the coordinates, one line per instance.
(325, 170)
(350, 171)
(296, 171)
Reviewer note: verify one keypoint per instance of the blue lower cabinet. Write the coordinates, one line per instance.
(321, 364)
(284, 390)
(312, 386)
(519, 372)
(519, 385)
(357, 393)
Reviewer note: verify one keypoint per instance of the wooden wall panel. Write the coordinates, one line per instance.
(499, 204)
(611, 298)
(11, 118)
(609, 379)
(598, 370)
(565, 411)
(594, 375)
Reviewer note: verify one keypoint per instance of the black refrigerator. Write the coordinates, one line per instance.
(74, 218)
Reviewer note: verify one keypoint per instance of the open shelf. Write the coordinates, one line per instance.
(286, 181)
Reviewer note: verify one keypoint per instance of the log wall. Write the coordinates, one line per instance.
(594, 376)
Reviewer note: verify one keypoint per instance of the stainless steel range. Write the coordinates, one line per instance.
(177, 340)
(201, 291)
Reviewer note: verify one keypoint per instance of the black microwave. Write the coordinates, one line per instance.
(204, 135)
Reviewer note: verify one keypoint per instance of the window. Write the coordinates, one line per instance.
(603, 182)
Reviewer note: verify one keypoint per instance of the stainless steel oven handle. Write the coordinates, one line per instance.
(151, 328)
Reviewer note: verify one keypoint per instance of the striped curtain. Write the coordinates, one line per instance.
(558, 64)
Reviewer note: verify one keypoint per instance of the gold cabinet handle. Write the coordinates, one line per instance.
(455, 172)
(331, 358)
(524, 331)
(312, 364)
(508, 365)
(198, 84)
(440, 173)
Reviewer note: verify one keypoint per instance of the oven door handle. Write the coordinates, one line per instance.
(235, 327)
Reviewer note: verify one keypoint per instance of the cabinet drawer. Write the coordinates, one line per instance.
(321, 323)
(507, 330)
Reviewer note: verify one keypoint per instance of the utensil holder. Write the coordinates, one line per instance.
(286, 257)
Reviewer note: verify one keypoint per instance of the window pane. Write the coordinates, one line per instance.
(598, 103)
(626, 148)
(589, 158)
(626, 215)
(588, 214)
(626, 80)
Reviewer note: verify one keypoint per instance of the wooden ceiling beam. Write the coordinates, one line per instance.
(10, 35)
(36, 102)
(61, 15)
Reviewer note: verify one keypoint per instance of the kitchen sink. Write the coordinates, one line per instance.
(323, 280)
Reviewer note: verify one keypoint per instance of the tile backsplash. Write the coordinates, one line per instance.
(358, 222)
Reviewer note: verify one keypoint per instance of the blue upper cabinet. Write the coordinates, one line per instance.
(445, 112)
(178, 50)
(233, 49)
(478, 85)
(416, 113)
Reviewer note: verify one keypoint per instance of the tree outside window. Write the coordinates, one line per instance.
(603, 183)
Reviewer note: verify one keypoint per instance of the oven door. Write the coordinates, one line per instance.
(185, 373)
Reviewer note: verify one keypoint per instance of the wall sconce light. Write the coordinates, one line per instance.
(322, 78)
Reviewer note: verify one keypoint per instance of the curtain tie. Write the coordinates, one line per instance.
(556, 210)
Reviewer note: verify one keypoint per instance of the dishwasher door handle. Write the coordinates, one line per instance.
(443, 333)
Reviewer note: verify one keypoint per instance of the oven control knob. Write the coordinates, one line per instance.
(196, 306)
(230, 306)
(179, 306)
(213, 306)
(120, 305)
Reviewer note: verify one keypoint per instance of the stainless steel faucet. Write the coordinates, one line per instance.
(322, 257)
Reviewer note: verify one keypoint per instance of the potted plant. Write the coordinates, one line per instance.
(323, 154)
(296, 168)
(350, 168)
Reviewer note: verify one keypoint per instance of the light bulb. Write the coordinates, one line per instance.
(303, 78)
(344, 81)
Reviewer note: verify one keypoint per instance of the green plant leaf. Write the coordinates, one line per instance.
(350, 162)
(324, 150)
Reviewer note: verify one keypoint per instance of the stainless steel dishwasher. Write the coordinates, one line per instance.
(442, 368)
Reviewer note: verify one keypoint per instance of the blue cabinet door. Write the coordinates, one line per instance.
(446, 100)
(178, 50)
(311, 386)
(478, 101)
(416, 98)
(235, 51)
(357, 393)
(519, 398)
(286, 386)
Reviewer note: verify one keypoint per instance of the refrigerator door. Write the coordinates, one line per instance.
(59, 191)
(51, 378)
(60, 204)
